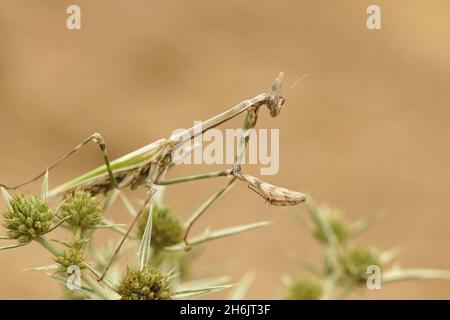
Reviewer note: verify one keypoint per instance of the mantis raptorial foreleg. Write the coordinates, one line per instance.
(249, 124)
(96, 138)
(153, 179)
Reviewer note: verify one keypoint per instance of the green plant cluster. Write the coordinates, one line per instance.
(27, 218)
(163, 268)
(70, 257)
(346, 265)
(81, 210)
(146, 284)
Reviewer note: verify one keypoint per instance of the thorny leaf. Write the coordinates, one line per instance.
(200, 291)
(6, 197)
(415, 274)
(14, 246)
(216, 234)
(203, 283)
(130, 208)
(242, 287)
(47, 267)
(44, 189)
(144, 248)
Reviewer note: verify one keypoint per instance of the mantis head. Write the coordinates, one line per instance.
(276, 100)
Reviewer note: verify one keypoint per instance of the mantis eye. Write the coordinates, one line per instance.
(275, 106)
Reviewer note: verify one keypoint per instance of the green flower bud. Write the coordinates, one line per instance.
(304, 288)
(76, 244)
(29, 217)
(71, 257)
(356, 261)
(166, 229)
(83, 209)
(336, 222)
(148, 284)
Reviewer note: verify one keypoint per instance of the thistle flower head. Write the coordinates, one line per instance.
(81, 210)
(357, 260)
(27, 217)
(71, 257)
(148, 284)
(304, 288)
(166, 230)
(336, 222)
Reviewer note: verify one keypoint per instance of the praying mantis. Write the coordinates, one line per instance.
(149, 165)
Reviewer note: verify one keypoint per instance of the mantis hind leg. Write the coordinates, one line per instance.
(96, 138)
(154, 172)
(127, 234)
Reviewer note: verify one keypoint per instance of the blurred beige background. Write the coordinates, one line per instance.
(367, 131)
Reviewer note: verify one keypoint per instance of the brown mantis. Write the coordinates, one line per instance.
(148, 165)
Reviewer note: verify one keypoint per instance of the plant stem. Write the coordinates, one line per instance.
(345, 291)
(48, 245)
(77, 233)
(97, 288)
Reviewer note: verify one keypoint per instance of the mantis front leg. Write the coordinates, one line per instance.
(249, 124)
(96, 138)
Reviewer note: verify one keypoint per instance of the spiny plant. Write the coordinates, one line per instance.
(346, 267)
(162, 269)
